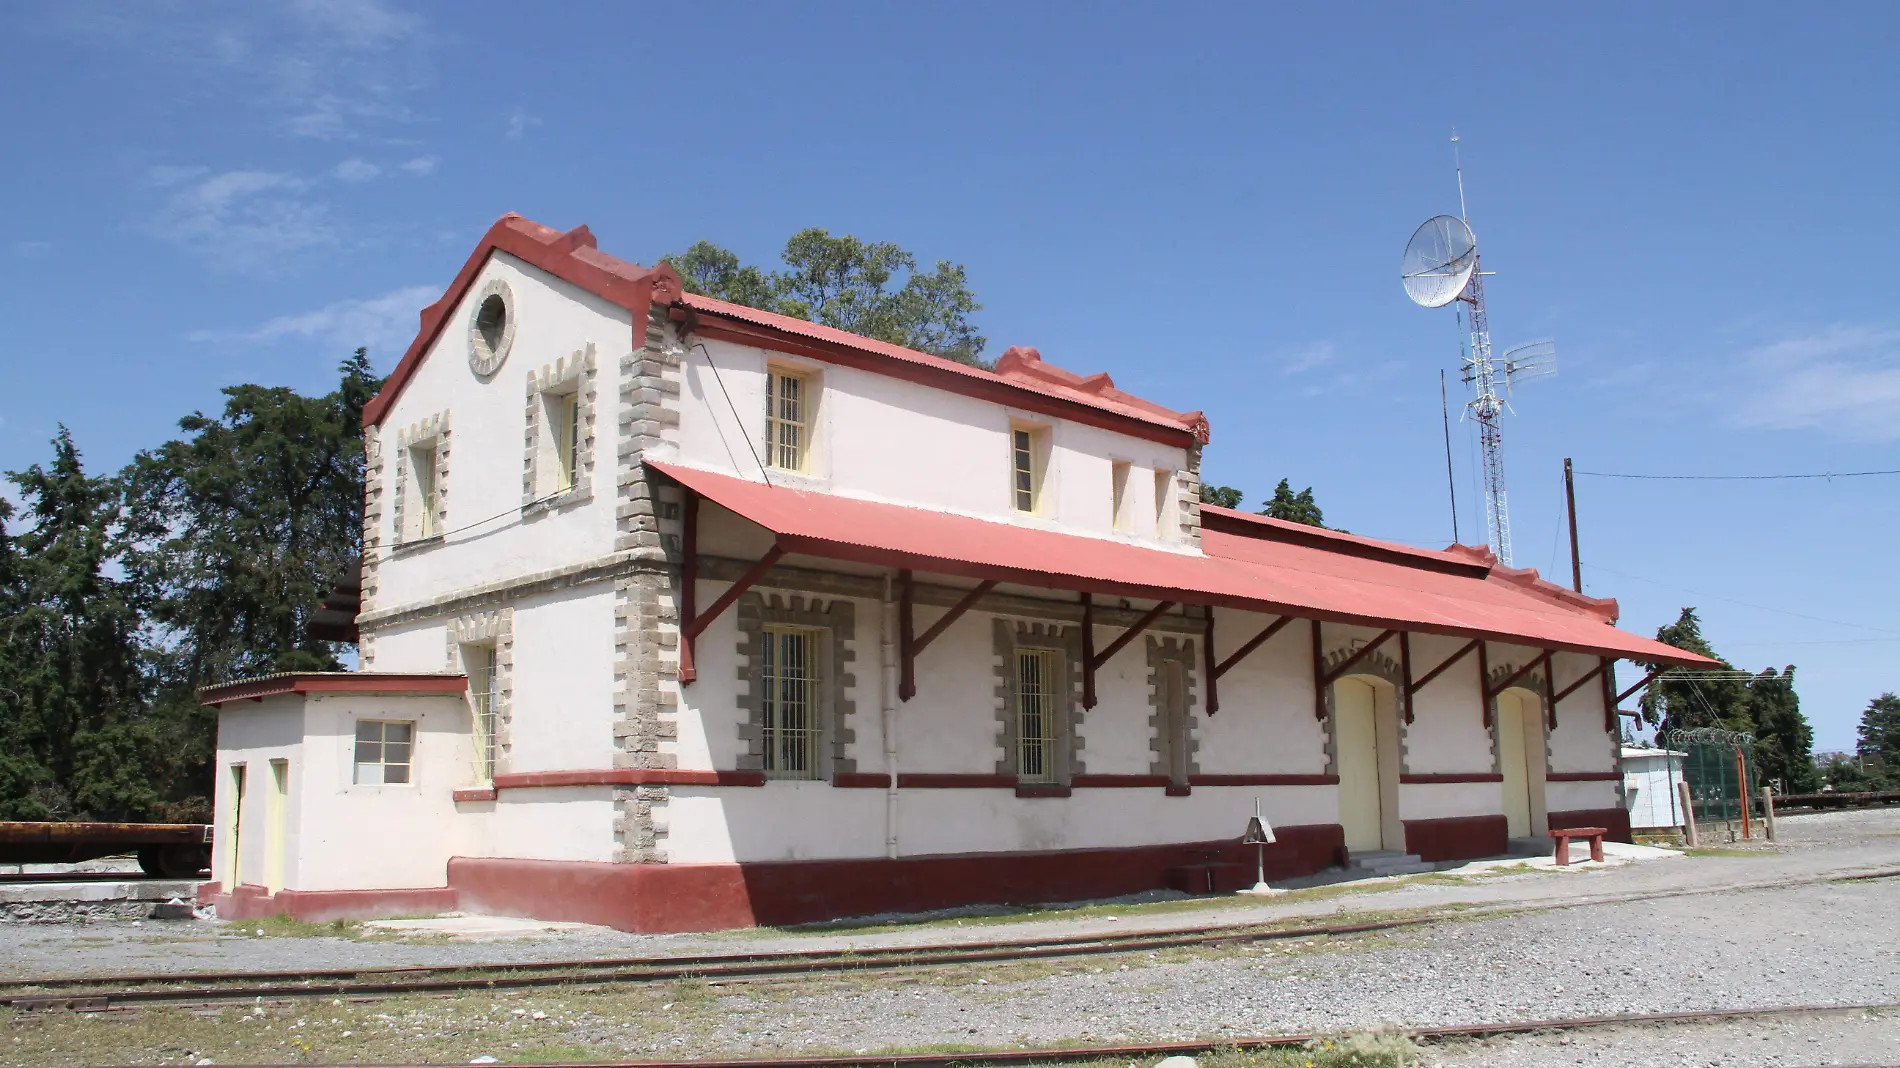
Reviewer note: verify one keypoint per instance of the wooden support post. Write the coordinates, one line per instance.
(690, 632)
(906, 651)
(1741, 779)
(1253, 643)
(1768, 813)
(1088, 651)
(1208, 667)
(1484, 685)
(689, 582)
(1608, 678)
(1581, 679)
(1550, 701)
(1405, 673)
(1689, 837)
(1319, 676)
(1570, 500)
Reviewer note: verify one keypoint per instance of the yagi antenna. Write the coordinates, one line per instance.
(1441, 267)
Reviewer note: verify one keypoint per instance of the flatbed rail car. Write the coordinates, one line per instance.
(1838, 799)
(168, 850)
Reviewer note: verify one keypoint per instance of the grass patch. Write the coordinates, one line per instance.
(282, 926)
(1723, 851)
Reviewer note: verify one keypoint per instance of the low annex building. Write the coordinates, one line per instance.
(675, 614)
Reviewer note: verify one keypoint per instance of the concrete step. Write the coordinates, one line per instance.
(1377, 862)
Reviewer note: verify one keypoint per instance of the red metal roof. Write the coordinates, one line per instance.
(1234, 571)
(1020, 378)
(302, 682)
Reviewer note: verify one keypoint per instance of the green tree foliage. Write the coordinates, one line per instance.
(1846, 775)
(1879, 738)
(1687, 698)
(75, 742)
(199, 562)
(849, 284)
(1294, 507)
(1784, 743)
(1220, 496)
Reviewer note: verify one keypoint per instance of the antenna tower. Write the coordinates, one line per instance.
(1440, 267)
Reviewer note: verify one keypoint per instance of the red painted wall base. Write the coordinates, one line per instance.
(1614, 820)
(1457, 837)
(703, 897)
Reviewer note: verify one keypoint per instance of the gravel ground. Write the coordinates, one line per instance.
(1810, 846)
(1830, 1039)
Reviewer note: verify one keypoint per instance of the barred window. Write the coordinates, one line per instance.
(1038, 689)
(483, 699)
(383, 751)
(789, 680)
(564, 413)
(1174, 707)
(787, 423)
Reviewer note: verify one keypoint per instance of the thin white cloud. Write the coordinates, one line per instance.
(356, 170)
(382, 324)
(1844, 379)
(1309, 357)
(519, 123)
(243, 219)
(31, 250)
(421, 166)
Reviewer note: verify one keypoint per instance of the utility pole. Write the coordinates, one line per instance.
(1570, 498)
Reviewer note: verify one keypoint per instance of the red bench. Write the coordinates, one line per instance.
(1563, 836)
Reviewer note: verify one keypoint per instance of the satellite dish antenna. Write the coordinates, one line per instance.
(1438, 261)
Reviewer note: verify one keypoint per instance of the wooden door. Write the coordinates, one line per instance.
(1356, 736)
(1513, 734)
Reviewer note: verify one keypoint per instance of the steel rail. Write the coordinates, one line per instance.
(41, 994)
(1076, 1054)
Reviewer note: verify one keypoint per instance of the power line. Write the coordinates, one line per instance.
(1748, 604)
(1739, 478)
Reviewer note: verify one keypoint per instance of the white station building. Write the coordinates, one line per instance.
(679, 615)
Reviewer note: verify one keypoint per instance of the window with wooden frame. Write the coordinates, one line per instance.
(383, 751)
(1039, 687)
(1028, 465)
(422, 467)
(1120, 508)
(1174, 707)
(790, 713)
(1164, 500)
(564, 425)
(788, 410)
(483, 698)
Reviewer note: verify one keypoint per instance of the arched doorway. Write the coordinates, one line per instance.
(1520, 736)
(1365, 735)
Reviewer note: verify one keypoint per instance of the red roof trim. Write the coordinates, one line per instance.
(329, 682)
(575, 258)
(1267, 528)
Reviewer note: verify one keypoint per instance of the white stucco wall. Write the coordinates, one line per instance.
(418, 646)
(887, 439)
(1447, 734)
(1266, 723)
(561, 712)
(541, 823)
(553, 320)
(1580, 743)
(254, 734)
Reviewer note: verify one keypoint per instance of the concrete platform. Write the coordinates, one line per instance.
(108, 899)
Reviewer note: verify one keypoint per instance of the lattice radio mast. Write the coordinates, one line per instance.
(1441, 266)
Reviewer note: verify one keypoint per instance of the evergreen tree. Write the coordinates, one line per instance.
(1220, 496)
(1784, 742)
(1294, 507)
(1879, 739)
(75, 740)
(1687, 698)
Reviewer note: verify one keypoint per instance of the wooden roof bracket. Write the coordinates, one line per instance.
(1091, 660)
(1216, 670)
(910, 645)
(1608, 678)
(693, 623)
(1647, 679)
(1491, 692)
(1412, 688)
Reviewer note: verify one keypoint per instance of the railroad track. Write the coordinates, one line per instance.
(95, 993)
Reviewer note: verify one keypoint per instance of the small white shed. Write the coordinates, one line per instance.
(1649, 787)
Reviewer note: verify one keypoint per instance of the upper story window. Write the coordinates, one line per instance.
(1121, 509)
(1029, 462)
(560, 439)
(383, 751)
(788, 411)
(790, 719)
(483, 698)
(564, 419)
(1164, 501)
(422, 461)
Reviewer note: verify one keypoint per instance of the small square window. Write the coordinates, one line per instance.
(787, 419)
(383, 751)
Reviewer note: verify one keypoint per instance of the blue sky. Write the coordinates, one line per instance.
(1696, 201)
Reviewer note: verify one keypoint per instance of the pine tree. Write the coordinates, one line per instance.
(1687, 698)
(1784, 742)
(1879, 739)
